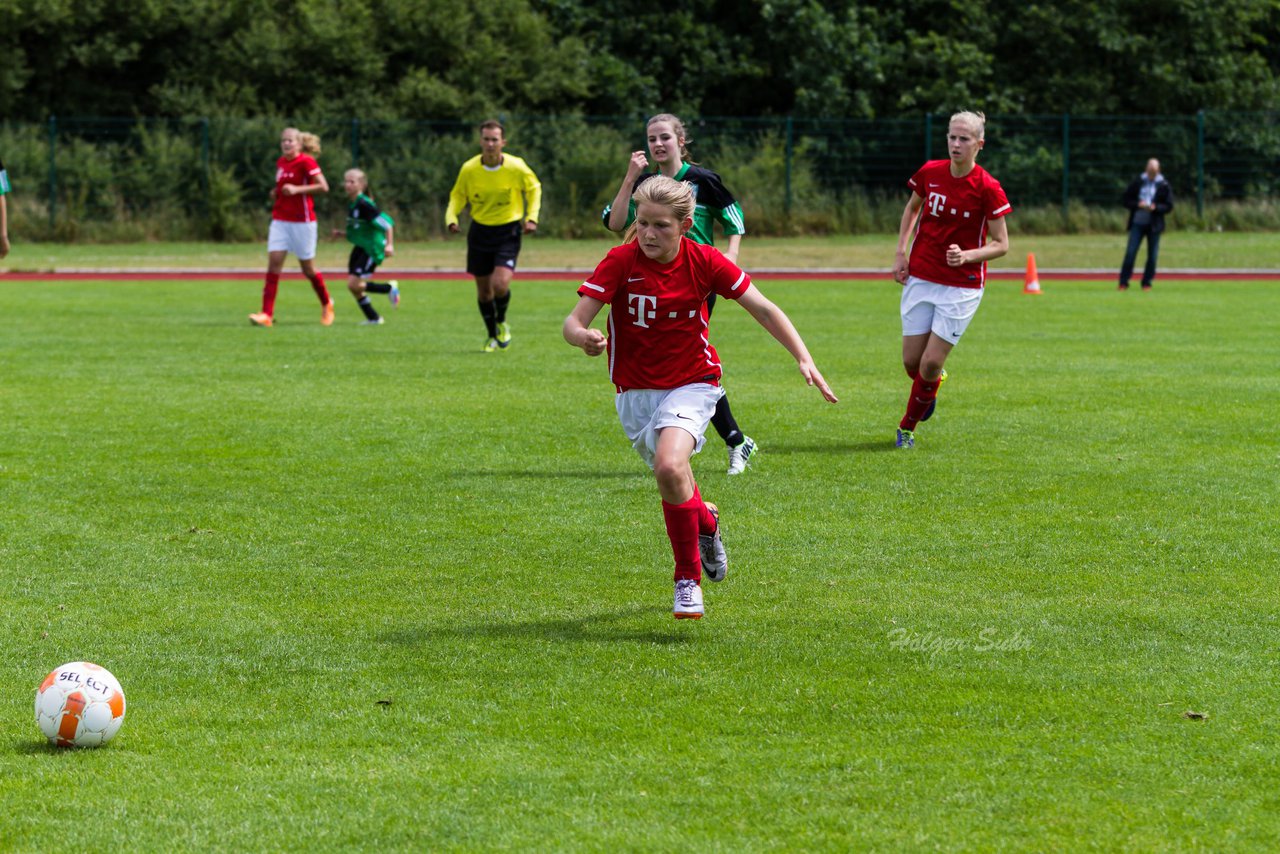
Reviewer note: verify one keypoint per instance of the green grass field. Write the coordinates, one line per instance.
(371, 589)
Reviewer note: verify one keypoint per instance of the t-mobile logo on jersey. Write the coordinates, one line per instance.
(937, 202)
(642, 308)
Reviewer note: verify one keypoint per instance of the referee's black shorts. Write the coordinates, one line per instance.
(490, 246)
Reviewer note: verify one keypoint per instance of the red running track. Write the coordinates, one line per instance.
(116, 275)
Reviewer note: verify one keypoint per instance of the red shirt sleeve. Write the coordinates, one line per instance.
(608, 275)
(727, 279)
(916, 181)
(997, 202)
(313, 168)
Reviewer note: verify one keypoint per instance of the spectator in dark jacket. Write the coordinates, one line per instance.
(1148, 199)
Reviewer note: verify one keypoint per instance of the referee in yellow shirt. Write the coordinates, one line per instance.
(502, 191)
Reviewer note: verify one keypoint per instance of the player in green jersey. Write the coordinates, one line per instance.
(372, 233)
(667, 140)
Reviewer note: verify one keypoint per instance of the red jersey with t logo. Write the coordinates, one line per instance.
(956, 210)
(658, 319)
(301, 170)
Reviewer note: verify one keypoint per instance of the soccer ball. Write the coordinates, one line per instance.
(79, 705)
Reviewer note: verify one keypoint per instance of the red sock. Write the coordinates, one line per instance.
(923, 393)
(706, 522)
(682, 530)
(269, 294)
(317, 284)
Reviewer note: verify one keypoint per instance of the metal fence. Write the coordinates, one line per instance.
(212, 176)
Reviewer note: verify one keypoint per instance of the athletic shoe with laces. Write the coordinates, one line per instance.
(492, 345)
(259, 318)
(740, 455)
(688, 603)
(906, 439)
(933, 404)
(326, 315)
(377, 321)
(715, 561)
(504, 335)
(394, 295)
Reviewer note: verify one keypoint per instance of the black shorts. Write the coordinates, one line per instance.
(361, 263)
(490, 246)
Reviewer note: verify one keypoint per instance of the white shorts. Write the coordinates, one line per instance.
(296, 237)
(643, 412)
(941, 309)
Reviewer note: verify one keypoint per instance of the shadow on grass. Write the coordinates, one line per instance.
(592, 628)
(834, 447)
(619, 473)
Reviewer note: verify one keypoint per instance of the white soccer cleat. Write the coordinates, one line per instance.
(688, 604)
(741, 455)
(715, 561)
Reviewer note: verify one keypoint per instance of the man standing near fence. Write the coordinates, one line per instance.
(1148, 198)
(4, 212)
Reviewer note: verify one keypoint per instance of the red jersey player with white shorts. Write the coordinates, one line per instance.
(956, 216)
(293, 222)
(665, 370)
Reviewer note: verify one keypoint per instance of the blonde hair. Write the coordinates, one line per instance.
(676, 196)
(359, 173)
(308, 142)
(677, 127)
(976, 121)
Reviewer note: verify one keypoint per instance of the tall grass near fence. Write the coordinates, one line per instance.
(97, 179)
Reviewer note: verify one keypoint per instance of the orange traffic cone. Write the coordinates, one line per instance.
(1032, 281)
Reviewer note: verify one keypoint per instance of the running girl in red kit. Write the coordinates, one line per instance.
(666, 372)
(293, 222)
(956, 213)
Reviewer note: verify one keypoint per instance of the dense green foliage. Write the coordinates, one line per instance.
(368, 589)
(454, 59)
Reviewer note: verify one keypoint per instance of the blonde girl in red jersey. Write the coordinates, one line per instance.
(953, 224)
(293, 222)
(666, 372)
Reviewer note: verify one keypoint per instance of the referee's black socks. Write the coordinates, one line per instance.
(489, 311)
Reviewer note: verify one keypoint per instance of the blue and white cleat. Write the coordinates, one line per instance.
(906, 439)
(394, 295)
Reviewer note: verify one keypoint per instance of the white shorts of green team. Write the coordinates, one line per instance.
(644, 412)
(943, 310)
(296, 237)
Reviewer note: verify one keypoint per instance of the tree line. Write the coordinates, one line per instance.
(459, 60)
